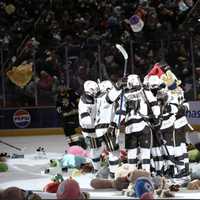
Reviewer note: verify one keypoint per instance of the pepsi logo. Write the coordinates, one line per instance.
(22, 118)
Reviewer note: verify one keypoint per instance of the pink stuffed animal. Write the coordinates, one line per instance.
(77, 151)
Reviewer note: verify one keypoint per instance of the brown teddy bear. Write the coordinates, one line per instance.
(15, 193)
(194, 185)
(125, 178)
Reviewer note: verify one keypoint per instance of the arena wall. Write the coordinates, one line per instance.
(45, 121)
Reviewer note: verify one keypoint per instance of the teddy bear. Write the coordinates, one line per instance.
(18, 194)
(194, 185)
(125, 178)
(171, 81)
(125, 175)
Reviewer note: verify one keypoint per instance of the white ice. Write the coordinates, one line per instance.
(26, 172)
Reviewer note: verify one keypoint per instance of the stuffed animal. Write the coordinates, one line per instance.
(194, 185)
(3, 162)
(86, 168)
(16, 193)
(194, 170)
(3, 157)
(77, 151)
(171, 81)
(125, 181)
(147, 196)
(54, 167)
(72, 161)
(3, 167)
(194, 155)
(100, 183)
(125, 177)
(120, 182)
(162, 188)
(124, 170)
(143, 185)
(52, 187)
(103, 172)
(70, 189)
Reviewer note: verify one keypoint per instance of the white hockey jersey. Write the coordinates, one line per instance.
(134, 120)
(105, 108)
(177, 98)
(87, 115)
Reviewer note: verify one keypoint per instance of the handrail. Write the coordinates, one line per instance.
(191, 12)
(38, 19)
(22, 44)
(20, 49)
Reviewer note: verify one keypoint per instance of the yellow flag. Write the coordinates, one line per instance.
(21, 75)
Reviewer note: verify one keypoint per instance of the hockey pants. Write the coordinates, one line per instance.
(181, 154)
(138, 148)
(163, 154)
(95, 146)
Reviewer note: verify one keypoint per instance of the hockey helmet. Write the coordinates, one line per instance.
(105, 86)
(154, 81)
(91, 88)
(133, 81)
(146, 81)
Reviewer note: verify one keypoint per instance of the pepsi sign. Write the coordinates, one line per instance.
(22, 118)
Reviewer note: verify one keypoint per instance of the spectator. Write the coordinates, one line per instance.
(95, 26)
(45, 81)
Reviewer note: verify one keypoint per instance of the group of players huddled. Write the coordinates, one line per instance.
(148, 113)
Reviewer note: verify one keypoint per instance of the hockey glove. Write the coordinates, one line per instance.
(111, 130)
(182, 109)
(162, 97)
(133, 105)
(121, 83)
(156, 122)
(58, 109)
(167, 108)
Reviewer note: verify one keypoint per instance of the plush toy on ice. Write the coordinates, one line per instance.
(52, 186)
(15, 193)
(70, 189)
(143, 185)
(3, 164)
(75, 157)
(77, 151)
(126, 178)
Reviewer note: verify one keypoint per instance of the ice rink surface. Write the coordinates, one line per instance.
(26, 172)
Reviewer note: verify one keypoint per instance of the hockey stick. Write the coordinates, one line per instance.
(14, 147)
(125, 55)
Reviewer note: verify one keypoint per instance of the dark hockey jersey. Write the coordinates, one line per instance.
(67, 104)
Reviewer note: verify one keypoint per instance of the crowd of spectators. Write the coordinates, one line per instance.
(71, 41)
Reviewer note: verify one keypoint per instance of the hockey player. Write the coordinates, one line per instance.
(92, 116)
(87, 112)
(105, 113)
(163, 148)
(181, 126)
(67, 108)
(154, 84)
(137, 130)
(168, 111)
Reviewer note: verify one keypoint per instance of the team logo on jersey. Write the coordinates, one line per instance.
(22, 118)
(65, 102)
